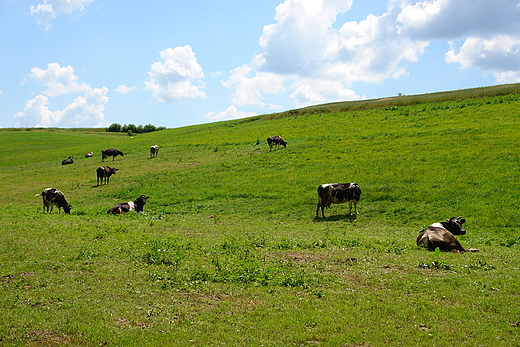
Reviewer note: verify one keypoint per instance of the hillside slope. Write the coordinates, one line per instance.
(229, 248)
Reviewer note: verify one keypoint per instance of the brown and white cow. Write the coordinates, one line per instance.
(89, 154)
(154, 150)
(441, 235)
(104, 172)
(275, 141)
(338, 193)
(126, 207)
(54, 197)
(111, 152)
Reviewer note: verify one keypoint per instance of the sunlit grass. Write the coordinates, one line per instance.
(229, 250)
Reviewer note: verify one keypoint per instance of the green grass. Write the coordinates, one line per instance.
(229, 252)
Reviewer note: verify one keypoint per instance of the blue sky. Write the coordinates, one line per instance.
(90, 63)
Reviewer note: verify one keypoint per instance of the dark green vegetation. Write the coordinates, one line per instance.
(229, 252)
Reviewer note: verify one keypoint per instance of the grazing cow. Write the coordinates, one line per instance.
(136, 206)
(67, 161)
(89, 154)
(275, 141)
(54, 197)
(111, 152)
(154, 150)
(104, 172)
(442, 235)
(338, 193)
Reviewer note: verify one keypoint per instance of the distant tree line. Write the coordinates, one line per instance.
(132, 129)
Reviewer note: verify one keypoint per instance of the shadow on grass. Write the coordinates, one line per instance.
(348, 217)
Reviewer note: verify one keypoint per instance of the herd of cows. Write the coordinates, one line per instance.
(438, 235)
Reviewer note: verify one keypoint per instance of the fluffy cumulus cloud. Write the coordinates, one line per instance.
(308, 54)
(58, 80)
(124, 89)
(230, 113)
(45, 12)
(83, 111)
(484, 35)
(176, 76)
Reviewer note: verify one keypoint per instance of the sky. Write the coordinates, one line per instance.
(171, 63)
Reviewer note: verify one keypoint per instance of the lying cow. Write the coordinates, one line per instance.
(111, 152)
(54, 197)
(154, 150)
(89, 154)
(275, 141)
(67, 161)
(104, 172)
(126, 207)
(338, 193)
(442, 235)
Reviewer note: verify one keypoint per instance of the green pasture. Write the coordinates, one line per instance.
(229, 251)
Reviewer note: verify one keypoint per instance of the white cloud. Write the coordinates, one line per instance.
(230, 113)
(303, 48)
(500, 55)
(175, 76)
(58, 80)
(311, 92)
(51, 9)
(84, 111)
(124, 89)
(249, 88)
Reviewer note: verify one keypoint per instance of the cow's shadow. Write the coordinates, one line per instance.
(337, 217)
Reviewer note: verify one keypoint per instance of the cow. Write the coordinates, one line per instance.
(67, 161)
(104, 172)
(154, 150)
(111, 152)
(338, 193)
(275, 141)
(89, 154)
(54, 197)
(441, 235)
(136, 206)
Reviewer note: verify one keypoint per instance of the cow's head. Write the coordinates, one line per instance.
(66, 208)
(113, 170)
(454, 225)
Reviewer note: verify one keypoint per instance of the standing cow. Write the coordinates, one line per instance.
(137, 206)
(67, 161)
(275, 141)
(104, 172)
(441, 235)
(338, 193)
(154, 150)
(54, 197)
(111, 152)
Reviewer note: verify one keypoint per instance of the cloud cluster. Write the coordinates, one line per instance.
(84, 111)
(176, 76)
(304, 53)
(50, 9)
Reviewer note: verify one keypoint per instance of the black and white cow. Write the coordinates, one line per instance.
(154, 150)
(338, 193)
(104, 172)
(54, 197)
(111, 152)
(67, 161)
(126, 207)
(442, 235)
(275, 141)
(89, 154)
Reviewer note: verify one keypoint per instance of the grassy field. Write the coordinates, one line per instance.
(229, 252)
